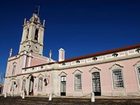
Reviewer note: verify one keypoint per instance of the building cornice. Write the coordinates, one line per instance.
(103, 53)
(31, 41)
(56, 68)
(114, 53)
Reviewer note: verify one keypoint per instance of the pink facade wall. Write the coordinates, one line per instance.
(19, 61)
(128, 66)
(37, 60)
(129, 77)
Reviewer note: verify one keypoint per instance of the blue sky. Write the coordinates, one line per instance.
(79, 26)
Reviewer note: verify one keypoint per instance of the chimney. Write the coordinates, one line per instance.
(61, 55)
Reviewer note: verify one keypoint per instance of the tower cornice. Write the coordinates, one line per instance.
(30, 41)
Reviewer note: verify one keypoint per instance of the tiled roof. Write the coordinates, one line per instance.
(93, 55)
(102, 53)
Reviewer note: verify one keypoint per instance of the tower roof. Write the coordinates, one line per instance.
(35, 18)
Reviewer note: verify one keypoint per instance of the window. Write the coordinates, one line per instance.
(63, 86)
(118, 79)
(14, 68)
(77, 61)
(13, 85)
(63, 78)
(27, 33)
(36, 35)
(138, 73)
(23, 84)
(78, 82)
(40, 84)
(96, 82)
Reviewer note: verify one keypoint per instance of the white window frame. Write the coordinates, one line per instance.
(117, 83)
(136, 66)
(75, 73)
(77, 83)
(138, 73)
(63, 79)
(99, 78)
(91, 71)
(116, 66)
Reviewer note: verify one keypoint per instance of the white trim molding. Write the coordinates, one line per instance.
(95, 69)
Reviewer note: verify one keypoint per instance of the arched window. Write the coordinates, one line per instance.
(40, 84)
(117, 78)
(36, 35)
(14, 68)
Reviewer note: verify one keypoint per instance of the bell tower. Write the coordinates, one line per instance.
(32, 35)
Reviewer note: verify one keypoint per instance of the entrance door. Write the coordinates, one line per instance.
(31, 85)
(96, 83)
(63, 86)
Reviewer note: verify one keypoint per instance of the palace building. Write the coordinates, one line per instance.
(110, 73)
